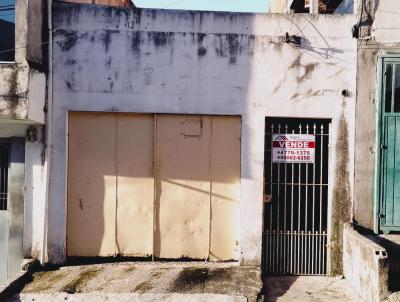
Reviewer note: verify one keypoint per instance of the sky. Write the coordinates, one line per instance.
(216, 5)
(7, 15)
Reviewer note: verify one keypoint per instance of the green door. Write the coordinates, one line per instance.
(389, 210)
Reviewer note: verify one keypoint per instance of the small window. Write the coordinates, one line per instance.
(397, 89)
(7, 30)
(324, 6)
(388, 87)
(392, 88)
(4, 164)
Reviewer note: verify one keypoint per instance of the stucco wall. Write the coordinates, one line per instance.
(160, 61)
(35, 194)
(384, 39)
(365, 266)
(18, 99)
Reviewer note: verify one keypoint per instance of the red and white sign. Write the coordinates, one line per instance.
(293, 148)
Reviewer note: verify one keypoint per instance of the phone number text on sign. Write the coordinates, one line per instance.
(293, 148)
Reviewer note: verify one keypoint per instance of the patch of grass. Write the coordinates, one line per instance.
(143, 287)
(130, 269)
(77, 285)
(42, 281)
(189, 279)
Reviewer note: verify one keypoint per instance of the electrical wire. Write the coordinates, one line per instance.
(174, 3)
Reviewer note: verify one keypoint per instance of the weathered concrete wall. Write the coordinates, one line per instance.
(35, 194)
(17, 96)
(159, 61)
(379, 38)
(365, 265)
(16, 186)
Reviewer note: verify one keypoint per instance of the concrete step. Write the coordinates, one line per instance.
(127, 297)
(391, 242)
(141, 281)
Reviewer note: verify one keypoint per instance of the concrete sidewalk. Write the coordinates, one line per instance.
(309, 289)
(175, 281)
(146, 281)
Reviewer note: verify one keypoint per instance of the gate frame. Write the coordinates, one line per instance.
(382, 59)
(333, 125)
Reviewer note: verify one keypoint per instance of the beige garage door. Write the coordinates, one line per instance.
(162, 185)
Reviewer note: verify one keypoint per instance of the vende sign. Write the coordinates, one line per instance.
(293, 148)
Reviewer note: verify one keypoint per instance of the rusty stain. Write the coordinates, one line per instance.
(308, 69)
(80, 204)
(198, 135)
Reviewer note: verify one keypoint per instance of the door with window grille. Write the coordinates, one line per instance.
(389, 208)
(296, 202)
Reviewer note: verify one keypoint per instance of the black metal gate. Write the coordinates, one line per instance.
(296, 203)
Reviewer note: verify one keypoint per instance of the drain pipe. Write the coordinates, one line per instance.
(48, 128)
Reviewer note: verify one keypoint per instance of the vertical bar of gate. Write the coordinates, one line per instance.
(313, 214)
(323, 252)
(291, 224)
(320, 195)
(286, 237)
(270, 207)
(298, 215)
(277, 259)
(307, 242)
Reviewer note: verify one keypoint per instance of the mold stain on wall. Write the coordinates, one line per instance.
(341, 202)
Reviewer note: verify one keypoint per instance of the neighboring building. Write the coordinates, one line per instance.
(170, 136)
(376, 183)
(312, 6)
(22, 100)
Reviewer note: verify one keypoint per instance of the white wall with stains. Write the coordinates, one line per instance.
(161, 61)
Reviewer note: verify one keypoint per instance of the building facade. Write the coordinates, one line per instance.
(158, 95)
(23, 68)
(165, 133)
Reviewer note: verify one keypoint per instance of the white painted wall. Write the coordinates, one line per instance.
(386, 27)
(149, 61)
(35, 194)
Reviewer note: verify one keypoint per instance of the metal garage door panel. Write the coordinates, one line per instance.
(4, 229)
(135, 184)
(91, 184)
(225, 178)
(182, 187)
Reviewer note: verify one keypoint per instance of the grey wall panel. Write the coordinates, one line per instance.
(16, 204)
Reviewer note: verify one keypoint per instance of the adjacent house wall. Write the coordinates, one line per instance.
(33, 184)
(379, 37)
(160, 61)
(19, 100)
